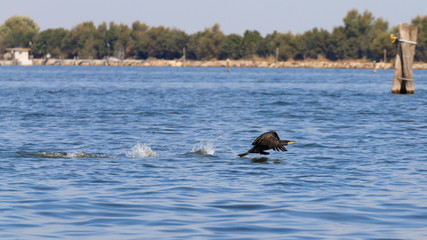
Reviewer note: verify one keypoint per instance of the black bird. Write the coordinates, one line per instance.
(268, 140)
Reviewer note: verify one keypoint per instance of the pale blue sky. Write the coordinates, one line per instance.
(234, 16)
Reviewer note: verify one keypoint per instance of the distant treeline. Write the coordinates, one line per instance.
(361, 37)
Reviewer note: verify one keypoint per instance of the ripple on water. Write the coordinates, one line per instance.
(69, 155)
(131, 153)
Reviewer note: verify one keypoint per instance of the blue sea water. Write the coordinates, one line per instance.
(150, 153)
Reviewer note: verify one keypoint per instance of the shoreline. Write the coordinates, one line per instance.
(257, 63)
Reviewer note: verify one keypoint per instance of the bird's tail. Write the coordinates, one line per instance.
(243, 154)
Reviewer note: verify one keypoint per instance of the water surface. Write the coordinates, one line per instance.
(150, 153)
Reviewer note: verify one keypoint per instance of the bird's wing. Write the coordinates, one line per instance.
(279, 148)
(270, 139)
(282, 148)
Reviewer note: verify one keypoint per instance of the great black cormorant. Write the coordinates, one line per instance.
(268, 140)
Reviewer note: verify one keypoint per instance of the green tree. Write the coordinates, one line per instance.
(421, 48)
(362, 36)
(287, 46)
(250, 44)
(268, 45)
(314, 44)
(165, 43)
(17, 31)
(230, 47)
(120, 40)
(284, 41)
(176, 40)
(339, 44)
(82, 42)
(155, 42)
(102, 45)
(138, 35)
(380, 40)
(358, 29)
(205, 45)
(50, 41)
(363, 33)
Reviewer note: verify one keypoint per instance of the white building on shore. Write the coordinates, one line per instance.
(20, 56)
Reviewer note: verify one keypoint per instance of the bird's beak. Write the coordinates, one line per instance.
(290, 142)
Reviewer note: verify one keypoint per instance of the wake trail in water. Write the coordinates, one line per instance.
(70, 155)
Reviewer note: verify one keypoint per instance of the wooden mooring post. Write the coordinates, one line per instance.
(403, 81)
(385, 58)
(183, 56)
(375, 66)
(228, 65)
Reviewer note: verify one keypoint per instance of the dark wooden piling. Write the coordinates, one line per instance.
(403, 81)
(228, 65)
(183, 57)
(385, 58)
(374, 66)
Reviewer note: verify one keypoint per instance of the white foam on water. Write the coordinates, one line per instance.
(77, 155)
(141, 151)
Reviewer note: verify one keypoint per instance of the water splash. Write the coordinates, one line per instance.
(141, 151)
(204, 148)
(233, 152)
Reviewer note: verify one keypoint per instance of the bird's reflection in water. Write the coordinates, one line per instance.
(265, 160)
